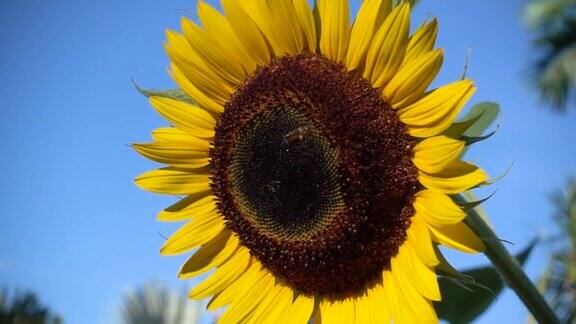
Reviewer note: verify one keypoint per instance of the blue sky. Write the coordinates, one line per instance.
(75, 229)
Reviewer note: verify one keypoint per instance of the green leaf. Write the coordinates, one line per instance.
(458, 129)
(463, 305)
(176, 94)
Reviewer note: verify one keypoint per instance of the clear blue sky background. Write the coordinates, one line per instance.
(75, 229)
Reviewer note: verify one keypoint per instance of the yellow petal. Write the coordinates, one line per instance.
(278, 22)
(434, 154)
(286, 27)
(186, 117)
(386, 52)
(280, 305)
(437, 208)
(306, 18)
(238, 290)
(436, 111)
(196, 208)
(364, 309)
(338, 311)
(382, 313)
(246, 301)
(414, 308)
(188, 207)
(219, 30)
(335, 28)
(201, 206)
(246, 31)
(225, 64)
(190, 154)
(422, 41)
(369, 18)
(421, 241)
(412, 79)
(207, 102)
(371, 307)
(301, 309)
(170, 181)
(195, 69)
(455, 178)
(458, 236)
(224, 276)
(197, 232)
(210, 255)
(422, 277)
(171, 134)
(266, 306)
(395, 305)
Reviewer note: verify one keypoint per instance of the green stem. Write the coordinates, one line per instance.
(510, 270)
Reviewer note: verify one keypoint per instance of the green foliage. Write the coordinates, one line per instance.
(541, 13)
(553, 73)
(464, 299)
(558, 283)
(154, 303)
(24, 308)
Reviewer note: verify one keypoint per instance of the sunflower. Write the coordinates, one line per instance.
(317, 166)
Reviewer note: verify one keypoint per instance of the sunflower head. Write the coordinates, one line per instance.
(316, 163)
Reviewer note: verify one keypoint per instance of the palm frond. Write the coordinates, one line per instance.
(558, 283)
(554, 73)
(541, 13)
(154, 303)
(24, 308)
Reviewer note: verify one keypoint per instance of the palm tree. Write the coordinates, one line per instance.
(553, 73)
(24, 308)
(154, 303)
(558, 283)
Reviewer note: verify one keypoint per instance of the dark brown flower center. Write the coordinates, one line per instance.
(313, 171)
(285, 175)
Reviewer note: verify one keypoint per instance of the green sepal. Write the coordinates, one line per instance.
(472, 203)
(472, 126)
(464, 304)
(469, 140)
(472, 200)
(457, 129)
(467, 284)
(176, 94)
(485, 113)
(444, 268)
(470, 197)
(498, 178)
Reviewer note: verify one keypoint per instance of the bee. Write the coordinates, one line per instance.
(296, 135)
